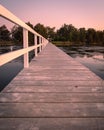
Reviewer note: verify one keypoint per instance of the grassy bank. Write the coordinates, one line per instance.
(9, 43)
(67, 43)
(6, 43)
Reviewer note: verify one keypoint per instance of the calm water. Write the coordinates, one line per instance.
(11, 69)
(91, 57)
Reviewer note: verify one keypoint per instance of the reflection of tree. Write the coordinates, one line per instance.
(80, 55)
(99, 57)
(88, 55)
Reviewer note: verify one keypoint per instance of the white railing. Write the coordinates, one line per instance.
(4, 58)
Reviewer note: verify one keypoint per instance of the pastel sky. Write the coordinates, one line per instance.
(54, 13)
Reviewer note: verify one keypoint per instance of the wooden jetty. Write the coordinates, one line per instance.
(54, 93)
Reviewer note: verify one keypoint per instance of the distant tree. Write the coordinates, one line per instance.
(91, 36)
(102, 39)
(74, 35)
(30, 35)
(67, 33)
(46, 32)
(40, 28)
(4, 33)
(50, 33)
(82, 35)
(72, 32)
(17, 34)
(98, 36)
(29, 24)
(63, 33)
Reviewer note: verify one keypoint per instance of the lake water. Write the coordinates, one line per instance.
(11, 69)
(91, 57)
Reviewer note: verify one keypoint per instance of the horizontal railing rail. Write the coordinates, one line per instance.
(4, 58)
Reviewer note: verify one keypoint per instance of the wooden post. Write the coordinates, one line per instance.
(43, 42)
(35, 41)
(25, 45)
(40, 44)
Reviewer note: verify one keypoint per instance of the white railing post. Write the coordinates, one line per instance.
(35, 41)
(43, 42)
(25, 45)
(39, 40)
(40, 44)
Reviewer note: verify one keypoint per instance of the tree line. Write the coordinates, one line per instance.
(66, 33)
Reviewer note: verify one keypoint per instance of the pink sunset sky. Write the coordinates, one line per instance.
(54, 13)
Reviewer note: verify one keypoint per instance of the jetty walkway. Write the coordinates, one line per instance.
(54, 93)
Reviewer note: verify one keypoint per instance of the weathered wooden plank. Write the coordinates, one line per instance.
(51, 124)
(55, 71)
(59, 110)
(55, 68)
(70, 88)
(60, 77)
(52, 97)
(56, 83)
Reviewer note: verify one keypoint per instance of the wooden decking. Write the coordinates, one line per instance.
(54, 93)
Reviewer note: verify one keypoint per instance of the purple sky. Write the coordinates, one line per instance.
(54, 13)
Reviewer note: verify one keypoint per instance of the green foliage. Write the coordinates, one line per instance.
(50, 33)
(62, 43)
(91, 35)
(82, 34)
(46, 32)
(29, 24)
(68, 34)
(4, 33)
(40, 28)
(30, 35)
(6, 43)
(79, 36)
(17, 34)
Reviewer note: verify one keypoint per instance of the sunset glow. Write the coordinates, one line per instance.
(54, 13)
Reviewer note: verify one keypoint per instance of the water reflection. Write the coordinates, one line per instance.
(99, 57)
(11, 69)
(6, 49)
(91, 57)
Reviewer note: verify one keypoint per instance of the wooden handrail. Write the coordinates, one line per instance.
(11, 17)
(4, 58)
